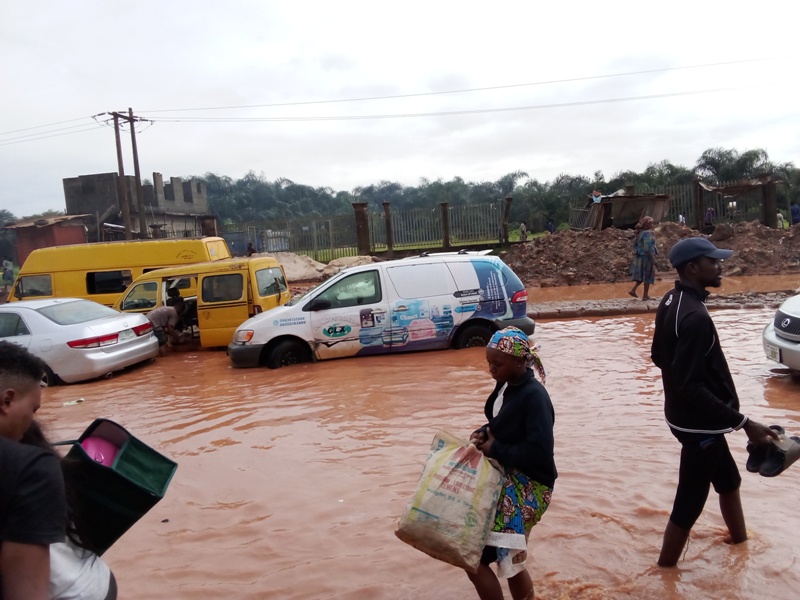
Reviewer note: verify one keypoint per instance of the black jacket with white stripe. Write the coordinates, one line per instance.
(699, 394)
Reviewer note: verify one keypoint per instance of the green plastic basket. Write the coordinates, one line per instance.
(110, 499)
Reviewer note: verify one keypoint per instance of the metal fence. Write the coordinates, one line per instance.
(321, 238)
(424, 227)
(327, 238)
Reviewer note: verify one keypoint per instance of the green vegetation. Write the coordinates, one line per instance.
(256, 198)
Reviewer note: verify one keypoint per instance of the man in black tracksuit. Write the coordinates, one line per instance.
(701, 404)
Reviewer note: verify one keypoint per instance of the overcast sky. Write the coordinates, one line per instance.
(61, 62)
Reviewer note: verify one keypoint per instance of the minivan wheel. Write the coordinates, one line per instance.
(288, 352)
(473, 336)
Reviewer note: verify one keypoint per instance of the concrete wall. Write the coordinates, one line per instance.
(90, 194)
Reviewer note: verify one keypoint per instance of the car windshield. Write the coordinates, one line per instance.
(80, 311)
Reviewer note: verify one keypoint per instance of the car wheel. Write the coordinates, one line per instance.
(288, 352)
(473, 336)
(49, 378)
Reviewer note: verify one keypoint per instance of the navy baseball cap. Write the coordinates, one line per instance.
(689, 249)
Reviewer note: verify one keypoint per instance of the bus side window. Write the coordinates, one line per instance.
(108, 282)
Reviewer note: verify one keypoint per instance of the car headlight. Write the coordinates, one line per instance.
(242, 336)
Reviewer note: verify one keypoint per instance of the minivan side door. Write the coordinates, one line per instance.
(222, 305)
(348, 318)
(422, 313)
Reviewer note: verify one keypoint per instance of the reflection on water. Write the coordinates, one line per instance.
(290, 481)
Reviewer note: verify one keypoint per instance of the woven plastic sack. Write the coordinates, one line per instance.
(454, 506)
(110, 499)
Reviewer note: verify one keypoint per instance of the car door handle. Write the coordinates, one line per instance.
(401, 308)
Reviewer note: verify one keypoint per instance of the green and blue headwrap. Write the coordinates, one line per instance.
(513, 341)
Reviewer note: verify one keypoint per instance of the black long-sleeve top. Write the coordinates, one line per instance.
(523, 429)
(699, 393)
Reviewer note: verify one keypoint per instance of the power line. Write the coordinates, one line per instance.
(43, 126)
(42, 137)
(477, 89)
(454, 112)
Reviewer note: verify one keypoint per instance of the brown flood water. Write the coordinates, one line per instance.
(609, 291)
(290, 482)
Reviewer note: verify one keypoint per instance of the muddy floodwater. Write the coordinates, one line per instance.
(290, 482)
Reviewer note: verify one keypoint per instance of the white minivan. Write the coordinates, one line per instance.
(423, 303)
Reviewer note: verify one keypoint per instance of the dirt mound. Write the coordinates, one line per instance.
(583, 257)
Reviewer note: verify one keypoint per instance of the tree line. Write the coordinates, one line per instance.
(257, 198)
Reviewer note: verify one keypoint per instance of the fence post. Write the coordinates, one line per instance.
(387, 215)
(506, 211)
(362, 227)
(445, 225)
(698, 205)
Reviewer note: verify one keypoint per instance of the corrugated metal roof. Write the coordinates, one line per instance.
(43, 222)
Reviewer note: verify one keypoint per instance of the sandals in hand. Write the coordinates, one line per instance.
(781, 454)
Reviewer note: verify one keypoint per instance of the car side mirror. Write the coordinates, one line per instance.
(318, 304)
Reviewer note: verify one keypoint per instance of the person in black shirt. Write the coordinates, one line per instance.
(33, 510)
(519, 435)
(700, 401)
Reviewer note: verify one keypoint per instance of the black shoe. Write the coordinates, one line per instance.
(757, 455)
(780, 455)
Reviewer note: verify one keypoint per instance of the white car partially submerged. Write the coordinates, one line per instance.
(77, 339)
(782, 336)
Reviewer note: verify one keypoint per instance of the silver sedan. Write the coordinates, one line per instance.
(78, 339)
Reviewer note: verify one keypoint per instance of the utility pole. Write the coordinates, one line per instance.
(123, 190)
(138, 174)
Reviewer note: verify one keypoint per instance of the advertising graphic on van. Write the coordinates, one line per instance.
(404, 305)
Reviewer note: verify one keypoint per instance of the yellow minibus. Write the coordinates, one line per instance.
(219, 296)
(102, 271)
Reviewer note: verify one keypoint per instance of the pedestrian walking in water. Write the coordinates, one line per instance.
(519, 435)
(700, 401)
(644, 262)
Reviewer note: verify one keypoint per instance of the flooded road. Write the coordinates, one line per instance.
(290, 482)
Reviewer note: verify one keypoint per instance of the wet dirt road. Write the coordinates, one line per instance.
(290, 482)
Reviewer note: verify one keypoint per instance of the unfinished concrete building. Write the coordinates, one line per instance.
(176, 209)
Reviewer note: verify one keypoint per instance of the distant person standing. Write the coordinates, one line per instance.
(795, 210)
(523, 232)
(644, 263)
(250, 250)
(551, 227)
(681, 219)
(8, 273)
(700, 400)
(780, 220)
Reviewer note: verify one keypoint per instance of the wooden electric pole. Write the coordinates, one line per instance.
(122, 188)
(138, 175)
